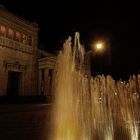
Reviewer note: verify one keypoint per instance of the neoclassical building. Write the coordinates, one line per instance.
(24, 69)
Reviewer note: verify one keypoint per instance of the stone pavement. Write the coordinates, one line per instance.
(25, 121)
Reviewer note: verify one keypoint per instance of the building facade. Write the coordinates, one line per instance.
(46, 74)
(22, 70)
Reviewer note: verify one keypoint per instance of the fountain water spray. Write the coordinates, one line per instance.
(87, 108)
(71, 103)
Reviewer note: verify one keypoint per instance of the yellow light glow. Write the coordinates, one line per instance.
(99, 46)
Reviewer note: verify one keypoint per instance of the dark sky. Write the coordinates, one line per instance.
(115, 21)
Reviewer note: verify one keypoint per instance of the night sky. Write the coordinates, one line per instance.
(116, 22)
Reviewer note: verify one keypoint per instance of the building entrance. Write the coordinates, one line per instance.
(13, 83)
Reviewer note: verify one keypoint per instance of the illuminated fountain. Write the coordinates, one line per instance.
(72, 107)
(92, 109)
(115, 108)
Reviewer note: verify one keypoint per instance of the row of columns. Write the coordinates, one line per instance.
(46, 78)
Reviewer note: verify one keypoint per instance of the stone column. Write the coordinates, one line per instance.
(46, 92)
(39, 82)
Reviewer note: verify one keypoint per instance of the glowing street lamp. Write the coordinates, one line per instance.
(99, 46)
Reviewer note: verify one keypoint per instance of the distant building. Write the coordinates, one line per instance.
(24, 69)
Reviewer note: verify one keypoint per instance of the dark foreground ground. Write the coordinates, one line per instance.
(30, 121)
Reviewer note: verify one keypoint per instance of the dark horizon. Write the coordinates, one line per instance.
(116, 22)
